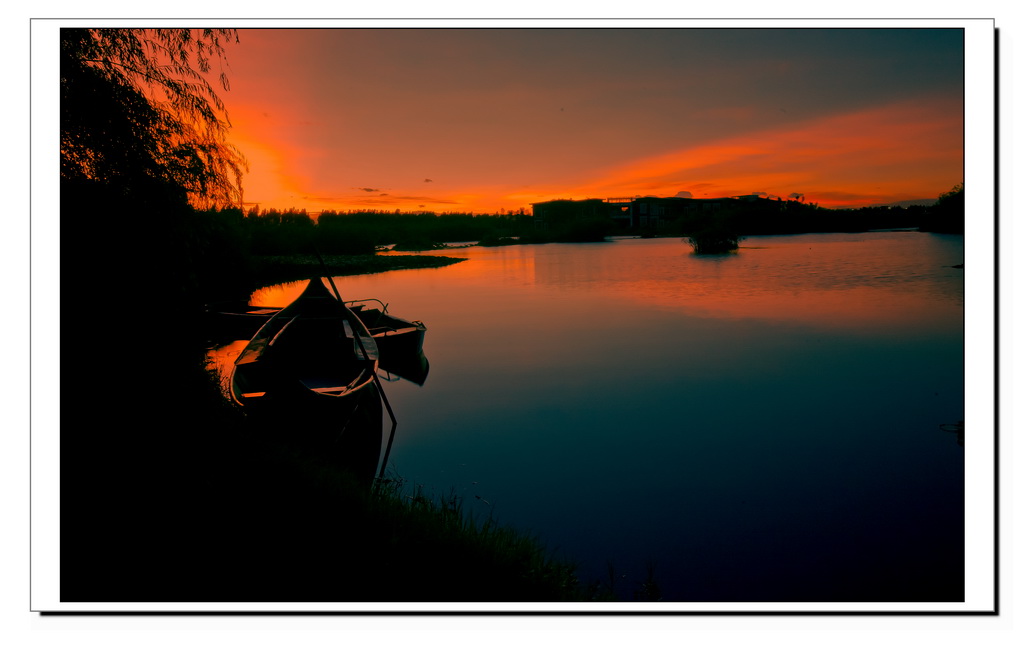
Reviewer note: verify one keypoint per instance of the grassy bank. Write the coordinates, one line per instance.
(314, 533)
(311, 533)
(189, 503)
(272, 269)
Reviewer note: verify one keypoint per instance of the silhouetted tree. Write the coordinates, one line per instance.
(716, 232)
(947, 215)
(142, 141)
(953, 198)
(137, 112)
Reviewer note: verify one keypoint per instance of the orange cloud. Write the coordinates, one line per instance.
(907, 150)
(274, 178)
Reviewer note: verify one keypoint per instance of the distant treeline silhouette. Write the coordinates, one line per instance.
(771, 217)
(721, 230)
(782, 217)
(294, 231)
(358, 232)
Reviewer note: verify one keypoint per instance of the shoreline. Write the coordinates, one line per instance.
(275, 269)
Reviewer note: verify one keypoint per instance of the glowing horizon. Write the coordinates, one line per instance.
(488, 120)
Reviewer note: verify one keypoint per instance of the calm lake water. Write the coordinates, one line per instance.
(761, 426)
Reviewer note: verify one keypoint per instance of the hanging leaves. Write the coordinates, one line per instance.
(138, 109)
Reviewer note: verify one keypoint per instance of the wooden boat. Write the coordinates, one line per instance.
(315, 348)
(413, 368)
(235, 320)
(309, 375)
(399, 341)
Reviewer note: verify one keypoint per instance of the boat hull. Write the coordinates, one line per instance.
(399, 341)
(308, 378)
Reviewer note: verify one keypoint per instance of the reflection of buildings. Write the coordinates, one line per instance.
(646, 212)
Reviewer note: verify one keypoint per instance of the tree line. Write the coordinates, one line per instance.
(237, 235)
(777, 217)
(721, 230)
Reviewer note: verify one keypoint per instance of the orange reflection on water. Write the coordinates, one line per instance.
(845, 282)
(863, 283)
(869, 280)
(853, 308)
(222, 360)
(278, 295)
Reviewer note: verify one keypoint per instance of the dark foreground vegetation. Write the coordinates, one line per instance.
(215, 511)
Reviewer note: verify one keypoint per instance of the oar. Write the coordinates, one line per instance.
(376, 379)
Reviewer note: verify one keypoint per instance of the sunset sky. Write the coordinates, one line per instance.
(488, 119)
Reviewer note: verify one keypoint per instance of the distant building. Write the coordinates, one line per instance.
(559, 211)
(640, 212)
